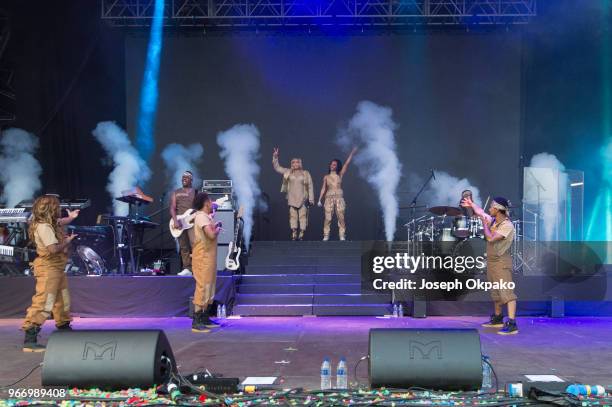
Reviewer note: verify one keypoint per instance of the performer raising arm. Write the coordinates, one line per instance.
(334, 196)
(297, 184)
(52, 295)
(499, 233)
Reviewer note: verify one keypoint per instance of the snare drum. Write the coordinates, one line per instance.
(461, 227)
(447, 235)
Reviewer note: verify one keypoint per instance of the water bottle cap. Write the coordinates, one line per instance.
(342, 359)
(326, 359)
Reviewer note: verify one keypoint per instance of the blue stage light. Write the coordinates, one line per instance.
(145, 134)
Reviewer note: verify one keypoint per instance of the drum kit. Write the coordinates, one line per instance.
(445, 230)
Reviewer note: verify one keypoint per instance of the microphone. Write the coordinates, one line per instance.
(433, 174)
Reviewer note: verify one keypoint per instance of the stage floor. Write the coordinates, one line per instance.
(576, 349)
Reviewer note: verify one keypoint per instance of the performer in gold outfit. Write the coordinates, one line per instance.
(331, 191)
(51, 295)
(297, 184)
(204, 261)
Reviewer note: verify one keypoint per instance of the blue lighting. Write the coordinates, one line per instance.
(145, 137)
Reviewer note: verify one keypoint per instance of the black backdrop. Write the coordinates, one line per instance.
(70, 73)
(456, 98)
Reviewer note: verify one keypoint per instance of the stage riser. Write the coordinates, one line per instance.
(297, 272)
(300, 289)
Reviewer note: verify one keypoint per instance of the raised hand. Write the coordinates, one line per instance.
(275, 152)
(467, 202)
(70, 238)
(73, 214)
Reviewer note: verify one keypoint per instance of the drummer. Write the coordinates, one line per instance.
(469, 212)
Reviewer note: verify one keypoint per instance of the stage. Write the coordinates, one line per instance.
(292, 348)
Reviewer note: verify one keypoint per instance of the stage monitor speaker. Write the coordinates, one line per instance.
(439, 359)
(108, 359)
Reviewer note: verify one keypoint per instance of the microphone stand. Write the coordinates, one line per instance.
(161, 225)
(416, 197)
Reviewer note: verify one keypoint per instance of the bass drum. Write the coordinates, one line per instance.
(472, 247)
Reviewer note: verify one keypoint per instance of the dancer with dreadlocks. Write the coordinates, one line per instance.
(52, 296)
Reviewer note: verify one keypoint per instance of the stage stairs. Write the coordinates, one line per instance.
(306, 278)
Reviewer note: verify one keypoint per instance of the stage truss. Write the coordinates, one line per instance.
(278, 13)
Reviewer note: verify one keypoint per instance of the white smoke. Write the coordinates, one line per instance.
(240, 150)
(545, 185)
(180, 158)
(19, 169)
(372, 130)
(129, 169)
(445, 190)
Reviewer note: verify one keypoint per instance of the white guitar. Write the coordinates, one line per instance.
(185, 220)
(232, 260)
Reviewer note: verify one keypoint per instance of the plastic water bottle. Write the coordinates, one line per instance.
(341, 375)
(395, 311)
(487, 383)
(585, 390)
(400, 310)
(219, 310)
(326, 374)
(223, 311)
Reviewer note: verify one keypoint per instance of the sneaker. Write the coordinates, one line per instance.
(197, 325)
(325, 238)
(209, 323)
(509, 328)
(30, 343)
(496, 321)
(64, 327)
(185, 272)
(342, 238)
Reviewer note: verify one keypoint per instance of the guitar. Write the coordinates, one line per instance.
(232, 260)
(185, 220)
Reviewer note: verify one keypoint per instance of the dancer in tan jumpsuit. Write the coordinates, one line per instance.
(51, 294)
(204, 262)
(297, 184)
(499, 233)
(334, 196)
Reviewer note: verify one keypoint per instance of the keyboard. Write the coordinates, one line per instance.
(7, 251)
(14, 215)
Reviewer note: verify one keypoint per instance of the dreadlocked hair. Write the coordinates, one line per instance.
(46, 210)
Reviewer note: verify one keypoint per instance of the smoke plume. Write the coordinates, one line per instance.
(545, 186)
(129, 169)
(180, 158)
(446, 190)
(240, 150)
(19, 169)
(372, 130)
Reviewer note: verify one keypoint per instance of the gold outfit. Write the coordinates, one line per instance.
(184, 201)
(334, 201)
(204, 262)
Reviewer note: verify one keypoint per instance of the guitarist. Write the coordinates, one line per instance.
(182, 200)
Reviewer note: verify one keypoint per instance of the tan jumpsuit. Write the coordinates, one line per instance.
(298, 186)
(204, 262)
(334, 201)
(499, 261)
(51, 294)
(184, 201)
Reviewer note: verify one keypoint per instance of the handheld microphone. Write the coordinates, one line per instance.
(433, 174)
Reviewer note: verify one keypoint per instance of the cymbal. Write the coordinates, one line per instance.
(445, 210)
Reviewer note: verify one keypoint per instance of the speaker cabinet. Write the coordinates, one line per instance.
(109, 359)
(439, 359)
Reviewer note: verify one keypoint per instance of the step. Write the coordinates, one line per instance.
(299, 288)
(297, 260)
(347, 244)
(320, 310)
(309, 298)
(302, 269)
(331, 278)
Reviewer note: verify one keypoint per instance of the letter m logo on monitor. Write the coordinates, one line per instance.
(424, 349)
(94, 351)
